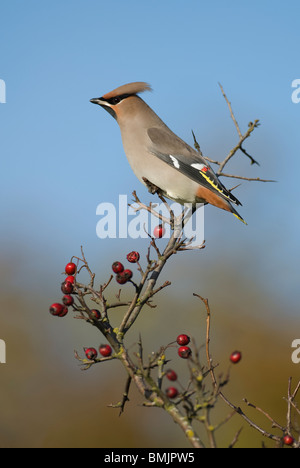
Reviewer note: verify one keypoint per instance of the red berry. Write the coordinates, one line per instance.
(183, 340)
(288, 440)
(172, 392)
(184, 352)
(91, 353)
(159, 231)
(64, 312)
(133, 257)
(105, 350)
(96, 314)
(67, 287)
(56, 309)
(123, 277)
(117, 267)
(171, 375)
(235, 357)
(70, 269)
(70, 279)
(128, 274)
(68, 300)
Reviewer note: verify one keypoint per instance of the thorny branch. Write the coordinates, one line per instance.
(291, 397)
(239, 146)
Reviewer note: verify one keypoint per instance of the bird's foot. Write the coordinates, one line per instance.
(153, 189)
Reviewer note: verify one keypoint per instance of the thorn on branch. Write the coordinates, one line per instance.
(196, 144)
(125, 397)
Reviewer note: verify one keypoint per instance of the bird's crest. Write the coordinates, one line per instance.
(129, 89)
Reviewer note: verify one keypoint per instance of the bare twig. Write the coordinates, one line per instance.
(237, 409)
(125, 397)
(249, 179)
(150, 209)
(231, 112)
(274, 423)
(236, 438)
(252, 126)
(196, 144)
(289, 410)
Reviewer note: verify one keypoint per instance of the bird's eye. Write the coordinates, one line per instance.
(116, 99)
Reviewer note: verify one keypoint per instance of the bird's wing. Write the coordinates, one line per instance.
(176, 153)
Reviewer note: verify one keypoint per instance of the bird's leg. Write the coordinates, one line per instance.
(171, 212)
(153, 189)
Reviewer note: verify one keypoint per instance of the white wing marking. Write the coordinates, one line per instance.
(175, 161)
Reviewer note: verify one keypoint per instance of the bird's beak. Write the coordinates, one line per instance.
(105, 105)
(98, 101)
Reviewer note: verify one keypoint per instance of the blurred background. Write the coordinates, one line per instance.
(61, 157)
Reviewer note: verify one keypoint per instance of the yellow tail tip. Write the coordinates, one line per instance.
(240, 219)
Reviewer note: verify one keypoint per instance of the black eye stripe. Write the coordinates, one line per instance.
(116, 99)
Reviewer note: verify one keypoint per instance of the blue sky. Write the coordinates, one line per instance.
(62, 156)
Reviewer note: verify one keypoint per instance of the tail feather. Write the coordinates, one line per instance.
(238, 216)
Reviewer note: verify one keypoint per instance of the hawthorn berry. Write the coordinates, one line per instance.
(68, 300)
(288, 440)
(70, 269)
(235, 357)
(133, 257)
(67, 287)
(128, 274)
(96, 314)
(64, 312)
(56, 309)
(117, 267)
(184, 352)
(159, 231)
(172, 392)
(171, 375)
(123, 277)
(70, 279)
(105, 350)
(91, 353)
(183, 340)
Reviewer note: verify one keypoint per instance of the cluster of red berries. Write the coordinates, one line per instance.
(184, 352)
(124, 275)
(104, 350)
(172, 392)
(61, 309)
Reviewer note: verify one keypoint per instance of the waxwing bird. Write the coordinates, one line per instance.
(159, 157)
